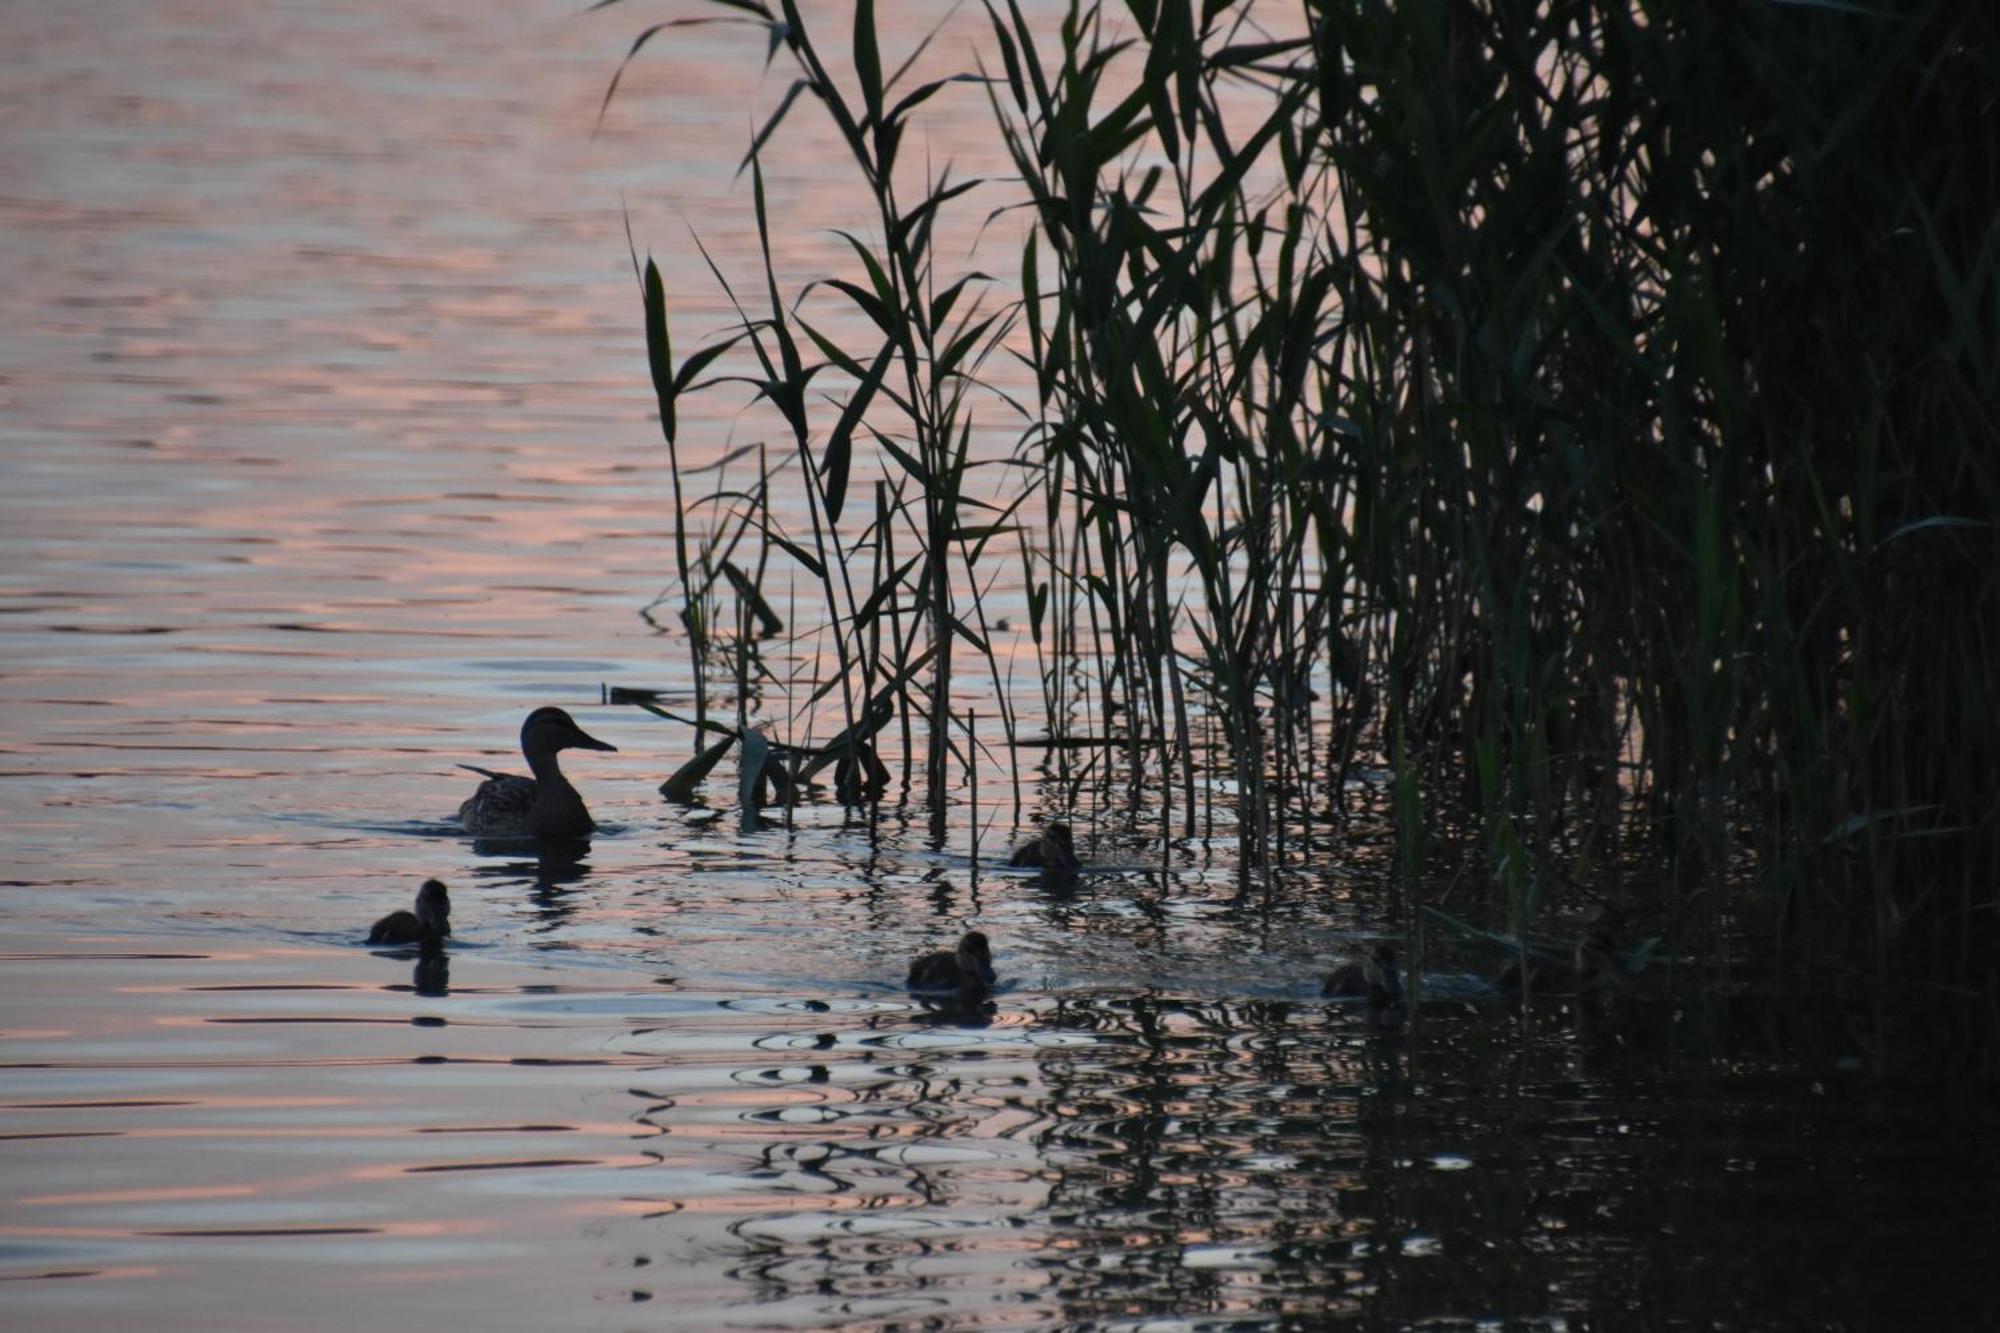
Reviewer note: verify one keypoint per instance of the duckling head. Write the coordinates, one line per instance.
(434, 906)
(975, 956)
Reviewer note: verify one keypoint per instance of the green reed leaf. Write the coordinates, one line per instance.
(686, 779)
(659, 348)
(840, 445)
(868, 60)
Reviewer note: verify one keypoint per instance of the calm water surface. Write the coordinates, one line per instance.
(327, 455)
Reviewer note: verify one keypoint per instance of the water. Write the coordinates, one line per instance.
(327, 455)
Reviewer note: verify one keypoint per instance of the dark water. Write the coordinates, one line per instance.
(282, 1136)
(327, 456)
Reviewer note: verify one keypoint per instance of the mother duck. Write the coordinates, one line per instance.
(543, 806)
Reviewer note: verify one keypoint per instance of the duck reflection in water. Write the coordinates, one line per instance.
(957, 1009)
(554, 863)
(507, 805)
(557, 866)
(433, 974)
(426, 926)
(554, 904)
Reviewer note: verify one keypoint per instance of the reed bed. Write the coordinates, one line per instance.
(1584, 413)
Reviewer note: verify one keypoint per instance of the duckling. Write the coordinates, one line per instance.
(1053, 852)
(1375, 977)
(969, 970)
(1594, 969)
(860, 776)
(428, 925)
(543, 806)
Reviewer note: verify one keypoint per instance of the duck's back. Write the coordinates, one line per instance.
(502, 804)
(524, 808)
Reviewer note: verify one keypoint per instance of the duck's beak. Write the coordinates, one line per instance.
(583, 740)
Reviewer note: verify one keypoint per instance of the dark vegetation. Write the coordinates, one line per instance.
(1585, 412)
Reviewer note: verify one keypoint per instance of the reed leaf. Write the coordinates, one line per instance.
(687, 779)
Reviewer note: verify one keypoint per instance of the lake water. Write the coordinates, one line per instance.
(327, 454)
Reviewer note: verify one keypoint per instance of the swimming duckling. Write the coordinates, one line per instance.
(1375, 977)
(970, 969)
(543, 806)
(428, 925)
(1594, 969)
(1054, 851)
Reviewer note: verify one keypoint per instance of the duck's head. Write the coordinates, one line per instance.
(434, 906)
(550, 729)
(1382, 974)
(976, 955)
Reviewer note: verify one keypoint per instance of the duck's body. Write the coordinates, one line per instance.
(1054, 850)
(543, 806)
(428, 925)
(1374, 976)
(969, 969)
(1593, 970)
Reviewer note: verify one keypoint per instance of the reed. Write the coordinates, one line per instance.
(1587, 409)
(908, 398)
(1618, 385)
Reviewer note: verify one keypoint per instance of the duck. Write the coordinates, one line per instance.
(1053, 851)
(428, 925)
(507, 805)
(1374, 976)
(1594, 969)
(968, 970)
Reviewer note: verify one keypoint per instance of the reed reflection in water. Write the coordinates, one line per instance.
(1099, 1159)
(287, 1132)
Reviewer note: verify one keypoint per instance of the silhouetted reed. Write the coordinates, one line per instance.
(1587, 412)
